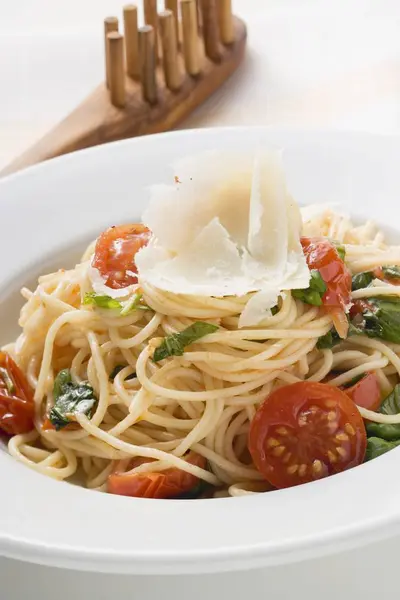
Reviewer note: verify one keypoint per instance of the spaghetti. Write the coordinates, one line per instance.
(203, 401)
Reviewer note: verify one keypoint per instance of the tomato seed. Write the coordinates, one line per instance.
(282, 430)
(278, 451)
(317, 466)
(272, 442)
(342, 437)
(349, 429)
(332, 456)
(286, 458)
(302, 470)
(292, 469)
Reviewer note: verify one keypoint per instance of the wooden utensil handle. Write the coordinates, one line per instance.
(97, 121)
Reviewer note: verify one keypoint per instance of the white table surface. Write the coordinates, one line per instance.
(321, 63)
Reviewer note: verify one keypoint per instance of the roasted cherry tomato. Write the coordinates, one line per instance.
(306, 431)
(114, 254)
(17, 408)
(379, 274)
(359, 307)
(322, 255)
(165, 484)
(366, 392)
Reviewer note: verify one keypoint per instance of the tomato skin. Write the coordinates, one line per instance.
(366, 392)
(165, 484)
(379, 274)
(114, 254)
(306, 431)
(323, 256)
(17, 408)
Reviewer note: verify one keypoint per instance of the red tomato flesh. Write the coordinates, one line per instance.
(323, 256)
(17, 407)
(379, 274)
(165, 484)
(114, 254)
(366, 392)
(306, 431)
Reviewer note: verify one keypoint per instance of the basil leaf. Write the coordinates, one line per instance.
(313, 294)
(70, 399)
(104, 301)
(60, 382)
(332, 338)
(101, 301)
(329, 340)
(390, 406)
(196, 491)
(353, 381)
(376, 447)
(341, 250)
(382, 319)
(117, 369)
(134, 303)
(173, 345)
(391, 272)
(361, 280)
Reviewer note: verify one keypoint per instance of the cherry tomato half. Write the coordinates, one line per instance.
(306, 431)
(379, 274)
(366, 392)
(17, 408)
(322, 255)
(165, 484)
(114, 254)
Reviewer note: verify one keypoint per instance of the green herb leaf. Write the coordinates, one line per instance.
(340, 249)
(329, 340)
(60, 382)
(173, 345)
(332, 338)
(391, 272)
(313, 294)
(102, 301)
(353, 381)
(361, 280)
(376, 447)
(125, 308)
(134, 303)
(382, 319)
(390, 406)
(70, 399)
(117, 369)
(274, 310)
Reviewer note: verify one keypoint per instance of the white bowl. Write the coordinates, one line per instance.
(48, 213)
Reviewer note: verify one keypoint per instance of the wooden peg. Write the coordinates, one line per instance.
(110, 24)
(116, 64)
(169, 50)
(190, 37)
(151, 18)
(199, 16)
(131, 41)
(210, 30)
(147, 53)
(173, 6)
(225, 21)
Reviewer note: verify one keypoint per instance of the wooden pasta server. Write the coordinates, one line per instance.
(155, 75)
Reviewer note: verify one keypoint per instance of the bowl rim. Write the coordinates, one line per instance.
(260, 529)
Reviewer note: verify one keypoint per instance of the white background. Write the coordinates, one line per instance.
(330, 63)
